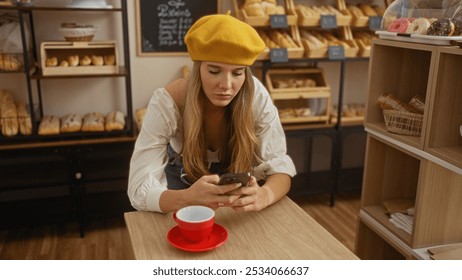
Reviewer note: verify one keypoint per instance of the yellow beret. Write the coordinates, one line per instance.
(225, 39)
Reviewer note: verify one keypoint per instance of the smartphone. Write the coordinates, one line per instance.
(231, 178)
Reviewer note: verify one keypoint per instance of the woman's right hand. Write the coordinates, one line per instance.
(207, 192)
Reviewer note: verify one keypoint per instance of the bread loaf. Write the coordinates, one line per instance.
(115, 121)
(93, 121)
(24, 119)
(9, 63)
(49, 125)
(71, 123)
(9, 119)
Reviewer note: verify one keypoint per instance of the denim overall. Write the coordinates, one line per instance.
(176, 178)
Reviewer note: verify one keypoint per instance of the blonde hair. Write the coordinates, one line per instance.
(239, 152)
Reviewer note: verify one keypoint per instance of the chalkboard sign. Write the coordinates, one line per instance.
(162, 24)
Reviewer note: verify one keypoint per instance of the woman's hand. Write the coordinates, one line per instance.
(251, 198)
(206, 191)
(255, 198)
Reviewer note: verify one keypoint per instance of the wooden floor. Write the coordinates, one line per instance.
(109, 240)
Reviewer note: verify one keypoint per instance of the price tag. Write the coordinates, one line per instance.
(336, 52)
(279, 55)
(278, 21)
(375, 23)
(328, 21)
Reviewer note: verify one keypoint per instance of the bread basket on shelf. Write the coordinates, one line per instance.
(404, 123)
(75, 33)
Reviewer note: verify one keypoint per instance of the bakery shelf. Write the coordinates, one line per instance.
(62, 51)
(313, 19)
(405, 71)
(318, 89)
(445, 119)
(263, 20)
(293, 52)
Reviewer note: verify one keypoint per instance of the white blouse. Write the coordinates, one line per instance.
(162, 125)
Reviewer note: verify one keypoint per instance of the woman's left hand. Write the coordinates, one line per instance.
(252, 197)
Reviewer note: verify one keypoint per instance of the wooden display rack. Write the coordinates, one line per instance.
(294, 97)
(292, 18)
(342, 20)
(292, 53)
(63, 49)
(426, 169)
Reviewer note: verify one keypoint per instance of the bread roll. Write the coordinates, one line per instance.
(97, 60)
(73, 60)
(9, 119)
(85, 61)
(51, 61)
(64, 63)
(109, 59)
(24, 119)
(93, 121)
(49, 125)
(115, 121)
(71, 123)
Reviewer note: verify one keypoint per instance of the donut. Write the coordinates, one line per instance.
(457, 27)
(419, 26)
(399, 25)
(441, 27)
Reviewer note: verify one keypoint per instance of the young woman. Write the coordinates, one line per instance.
(220, 119)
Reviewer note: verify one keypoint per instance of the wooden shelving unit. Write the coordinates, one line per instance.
(427, 168)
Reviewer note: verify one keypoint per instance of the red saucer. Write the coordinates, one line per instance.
(216, 239)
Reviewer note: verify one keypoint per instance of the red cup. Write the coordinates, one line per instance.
(195, 222)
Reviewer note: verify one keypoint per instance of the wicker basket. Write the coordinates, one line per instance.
(403, 122)
(78, 34)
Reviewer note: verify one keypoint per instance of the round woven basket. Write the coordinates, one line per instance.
(82, 34)
(403, 122)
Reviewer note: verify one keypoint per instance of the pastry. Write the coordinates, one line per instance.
(64, 63)
(49, 125)
(84, 61)
(399, 25)
(73, 60)
(97, 60)
(93, 121)
(419, 26)
(71, 123)
(51, 61)
(115, 121)
(441, 27)
(109, 59)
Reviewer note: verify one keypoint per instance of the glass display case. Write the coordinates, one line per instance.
(423, 21)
